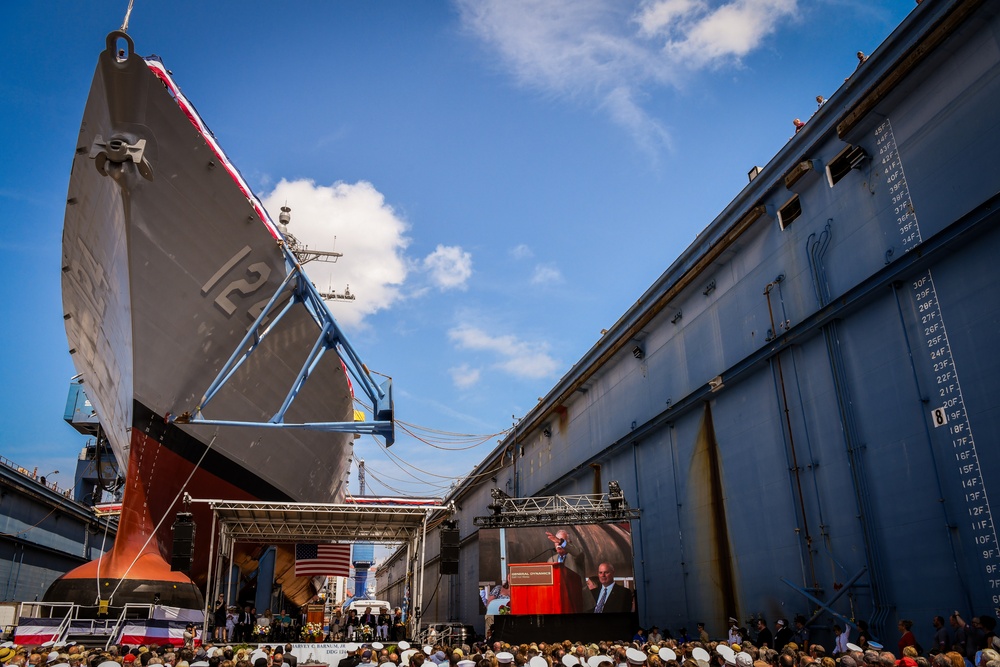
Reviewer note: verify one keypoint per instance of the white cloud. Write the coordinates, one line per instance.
(546, 275)
(464, 376)
(353, 219)
(704, 36)
(610, 51)
(516, 357)
(449, 267)
(521, 251)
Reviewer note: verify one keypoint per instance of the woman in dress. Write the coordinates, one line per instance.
(265, 622)
(220, 619)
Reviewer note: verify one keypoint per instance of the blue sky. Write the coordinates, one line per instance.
(504, 177)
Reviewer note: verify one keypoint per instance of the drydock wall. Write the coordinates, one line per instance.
(816, 402)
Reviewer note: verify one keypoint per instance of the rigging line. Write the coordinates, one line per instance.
(29, 528)
(100, 559)
(165, 514)
(448, 449)
(403, 481)
(384, 484)
(406, 481)
(375, 478)
(451, 477)
(128, 13)
(451, 435)
(396, 459)
(470, 436)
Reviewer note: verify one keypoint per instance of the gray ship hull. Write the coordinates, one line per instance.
(167, 261)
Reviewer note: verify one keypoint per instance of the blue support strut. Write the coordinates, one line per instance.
(331, 336)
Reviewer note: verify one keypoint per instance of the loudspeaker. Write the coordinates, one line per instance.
(449, 550)
(182, 556)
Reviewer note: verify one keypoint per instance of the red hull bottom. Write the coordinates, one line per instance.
(136, 569)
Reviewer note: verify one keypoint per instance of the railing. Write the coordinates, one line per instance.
(43, 609)
(63, 628)
(116, 630)
(32, 475)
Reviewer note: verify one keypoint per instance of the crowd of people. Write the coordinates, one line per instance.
(956, 643)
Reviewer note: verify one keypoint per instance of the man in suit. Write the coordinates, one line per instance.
(566, 554)
(244, 624)
(290, 658)
(610, 597)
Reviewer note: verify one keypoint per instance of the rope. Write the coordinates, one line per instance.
(30, 528)
(128, 13)
(100, 559)
(163, 518)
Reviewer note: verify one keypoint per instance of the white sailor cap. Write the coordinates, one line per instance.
(352, 647)
(538, 661)
(377, 646)
(744, 659)
(700, 654)
(635, 656)
(387, 664)
(598, 660)
(428, 649)
(466, 663)
(570, 660)
(505, 657)
(853, 647)
(667, 653)
(727, 653)
(109, 663)
(48, 644)
(200, 663)
(403, 644)
(875, 645)
(404, 657)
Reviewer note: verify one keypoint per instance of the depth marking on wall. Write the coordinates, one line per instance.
(947, 405)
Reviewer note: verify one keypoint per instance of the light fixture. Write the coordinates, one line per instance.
(547, 431)
(616, 497)
(638, 352)
(677, 317)
(498, 497)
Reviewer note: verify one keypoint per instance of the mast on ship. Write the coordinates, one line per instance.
(305, 254)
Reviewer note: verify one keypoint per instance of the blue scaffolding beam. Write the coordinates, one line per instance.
(331, 337)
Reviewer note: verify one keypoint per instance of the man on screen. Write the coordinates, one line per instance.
(565, 554)
(610, 597)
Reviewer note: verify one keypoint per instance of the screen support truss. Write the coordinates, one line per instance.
(556, 510)
(297, 289)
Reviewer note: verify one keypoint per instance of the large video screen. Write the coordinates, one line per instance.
(557, 570)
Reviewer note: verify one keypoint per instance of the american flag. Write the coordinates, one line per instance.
(323, 560)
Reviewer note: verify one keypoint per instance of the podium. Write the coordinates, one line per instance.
(544, 588)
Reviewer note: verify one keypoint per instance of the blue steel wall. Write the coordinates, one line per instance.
(730, 525)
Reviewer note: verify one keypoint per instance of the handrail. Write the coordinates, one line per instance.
(38, 606)
(63, 628)
(114, 630)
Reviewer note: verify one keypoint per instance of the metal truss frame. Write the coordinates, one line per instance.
(331, 337)
(274, 523)
(556, 510)
(388, 521)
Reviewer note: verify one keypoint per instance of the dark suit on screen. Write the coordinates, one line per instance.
(619, 599)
